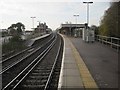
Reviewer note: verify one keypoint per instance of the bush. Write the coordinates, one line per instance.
(15, 44)
(16, 39)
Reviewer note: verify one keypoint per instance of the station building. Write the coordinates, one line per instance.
(72, 29)
(41, 28)
(78, 30)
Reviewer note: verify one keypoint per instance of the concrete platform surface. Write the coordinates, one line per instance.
(73, 76)
(101, 60)
(31, 41)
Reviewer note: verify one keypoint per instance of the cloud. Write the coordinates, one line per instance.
(53, 13)
(19, 1)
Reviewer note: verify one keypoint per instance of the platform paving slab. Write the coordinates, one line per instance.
(101, 60)
(74, 73)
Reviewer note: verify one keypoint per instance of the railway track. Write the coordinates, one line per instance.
(40, 72)
(8, 57)
(12, 60)
(13, 69)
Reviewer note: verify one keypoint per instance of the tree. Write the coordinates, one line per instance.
(109, 24)
(20, 28)
(12, 29)
(16, 29)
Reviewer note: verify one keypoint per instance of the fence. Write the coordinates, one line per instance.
(112, 41)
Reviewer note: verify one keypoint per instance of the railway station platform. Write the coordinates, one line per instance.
(74, 72)
(31, 41)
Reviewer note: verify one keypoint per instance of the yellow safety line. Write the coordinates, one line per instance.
(86, 77)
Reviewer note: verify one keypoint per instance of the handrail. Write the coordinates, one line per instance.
(112, 41)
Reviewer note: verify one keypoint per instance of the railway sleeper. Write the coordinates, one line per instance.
(33, 86)
(39, 70)
(38, 77)
(35, 82)
(44, 68)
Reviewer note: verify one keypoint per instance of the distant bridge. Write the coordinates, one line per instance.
(73, 25)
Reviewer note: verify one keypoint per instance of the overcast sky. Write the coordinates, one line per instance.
(53, 12)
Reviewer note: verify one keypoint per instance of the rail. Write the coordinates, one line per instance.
(23, 58)
(53, 68)
(13, 84)
(112, 41)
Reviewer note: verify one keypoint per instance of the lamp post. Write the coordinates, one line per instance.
(86, 32)
(38, 22)
(76, 15)
(88, 10)
(33, 21)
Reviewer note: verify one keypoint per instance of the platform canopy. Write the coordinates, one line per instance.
(69, 29)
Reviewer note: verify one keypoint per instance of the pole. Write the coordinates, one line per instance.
(38, 22)
(76, 18)
(88, 10)
(76, 22)
(33, 21)
(87, 37)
